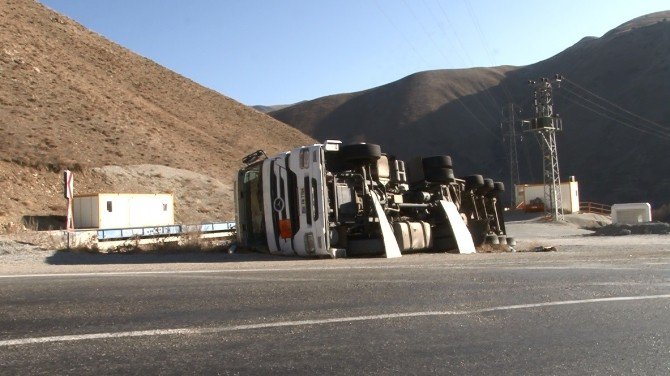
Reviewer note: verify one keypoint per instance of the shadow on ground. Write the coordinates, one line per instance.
(92, 258)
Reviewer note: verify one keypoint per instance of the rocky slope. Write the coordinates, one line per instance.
(72, 99)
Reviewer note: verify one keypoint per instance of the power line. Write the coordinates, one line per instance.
(617, 106)
(468, 58)
(425, 31)
(578, 103)
(485, 43)
(444, 32)
(526, 153)
(458, 99)
(510, 137)
(401, 33)
(652, 130)
(441, 51)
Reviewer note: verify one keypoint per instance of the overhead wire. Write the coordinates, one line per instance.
(444, 32)
(411, 45)
(652, 129)
(485, 89)
(619, 121)
(485, 44)
(440, 50)
(465, 51)
(527, 155)
(458, 99)
(652, 123)
(425, 31)
(503, 87)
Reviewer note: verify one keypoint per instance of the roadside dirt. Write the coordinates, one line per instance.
(570, 241)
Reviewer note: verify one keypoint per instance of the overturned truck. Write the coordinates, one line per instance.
(348, 200)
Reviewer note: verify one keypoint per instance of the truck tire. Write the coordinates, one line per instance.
(473, 182)
(440, 175)
(335, 163)
(439, 161)
(352, 156)
(492, 239)
(502, 239)
(498, 187)
(486, 188)
(362, 152)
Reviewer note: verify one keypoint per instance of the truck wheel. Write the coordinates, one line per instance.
(486, 188)
(351, 156)
(440, 161)
(362, 153)
(498, 187)
(473, 182)
(492, 239)
(502, 239)
(335, 163)
(440, 175)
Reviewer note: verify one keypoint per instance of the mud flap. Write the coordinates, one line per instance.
(391, 249)
(462, 236)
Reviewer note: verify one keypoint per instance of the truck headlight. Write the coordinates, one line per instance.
(304, 158)
(309, 243)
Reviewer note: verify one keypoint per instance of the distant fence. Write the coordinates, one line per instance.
(594, 207)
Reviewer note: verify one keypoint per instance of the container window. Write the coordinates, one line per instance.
(109, 206)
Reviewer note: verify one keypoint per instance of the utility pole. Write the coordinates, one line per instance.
(509, 134)
(544, 125)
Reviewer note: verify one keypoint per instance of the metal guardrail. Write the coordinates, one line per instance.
(594, 207)
(162, 231)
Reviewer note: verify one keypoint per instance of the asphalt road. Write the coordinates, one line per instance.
(571, 312)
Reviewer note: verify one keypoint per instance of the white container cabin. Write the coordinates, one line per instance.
(525, 193)
(123, 210)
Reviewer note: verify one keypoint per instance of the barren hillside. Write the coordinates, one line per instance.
(71, 98)
(457, 112)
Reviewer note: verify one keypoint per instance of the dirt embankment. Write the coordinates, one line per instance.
(72, 99)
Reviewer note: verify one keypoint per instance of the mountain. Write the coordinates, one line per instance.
(72, 99)
(457, 112)
(266, 109)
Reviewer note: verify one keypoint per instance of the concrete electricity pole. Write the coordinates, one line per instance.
(544, 125)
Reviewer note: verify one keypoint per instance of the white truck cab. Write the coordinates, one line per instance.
(282, 203)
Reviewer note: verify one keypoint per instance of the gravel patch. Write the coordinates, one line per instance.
(657, 228)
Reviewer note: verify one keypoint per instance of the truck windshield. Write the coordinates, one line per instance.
(252, 204)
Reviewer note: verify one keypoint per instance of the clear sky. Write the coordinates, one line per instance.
(279, 52)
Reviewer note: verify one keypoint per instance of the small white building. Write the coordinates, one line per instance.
(122, 210)
(525, 193)
(631, 214)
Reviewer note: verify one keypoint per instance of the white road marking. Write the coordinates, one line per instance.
(233, 328)
(208, 271)
(323, 268)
